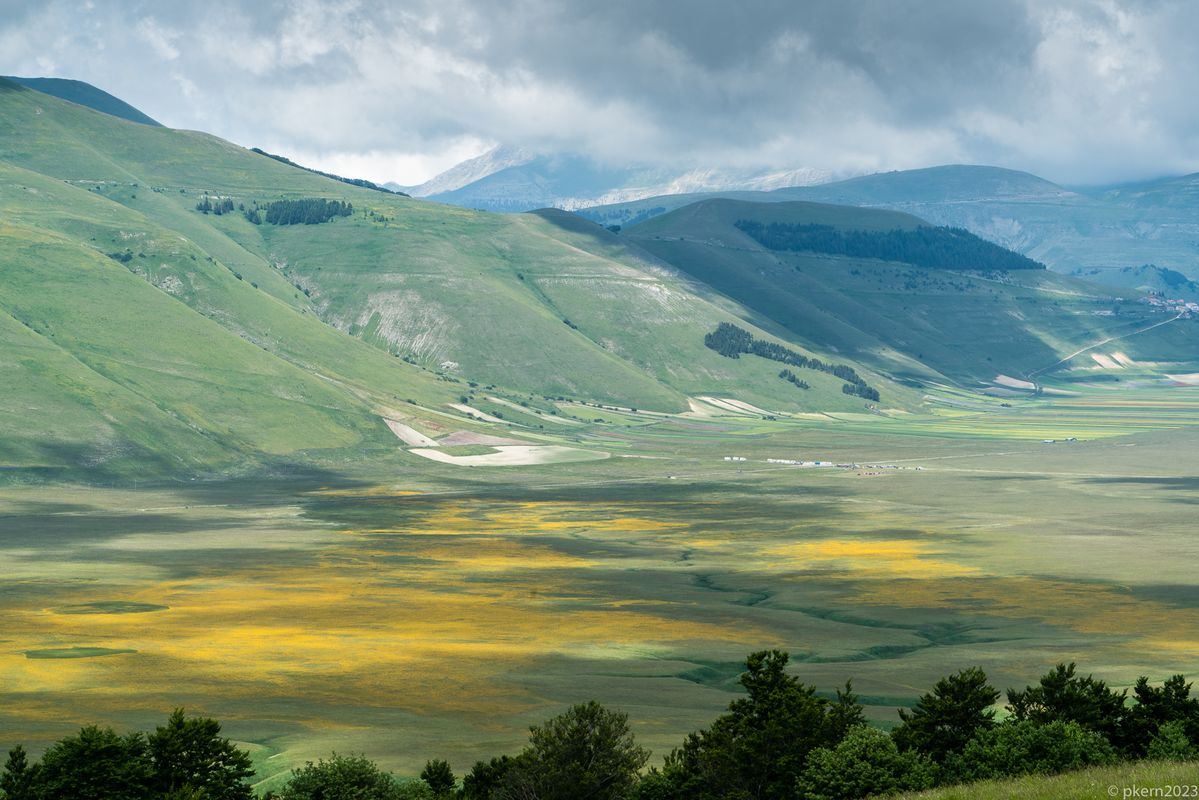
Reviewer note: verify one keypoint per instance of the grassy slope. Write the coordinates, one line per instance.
(201, 379)
(901, 319)
(439, 284)
(433, 282)
(271, 378)
(1082, 785)
(231, 371)
(492, 295)
(664, 324)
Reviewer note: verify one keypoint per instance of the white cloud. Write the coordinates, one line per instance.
(1077, 90)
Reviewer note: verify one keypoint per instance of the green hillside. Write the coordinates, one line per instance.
(169, 351)
(222, 342)
(905, 321)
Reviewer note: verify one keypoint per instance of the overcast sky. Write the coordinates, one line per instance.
(1086, 91)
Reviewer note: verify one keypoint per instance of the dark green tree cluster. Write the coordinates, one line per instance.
(1065, 721)
(860, 390)
(187, 757)
(731, 341)
(306, 211)
(791, 377)
(215, 205)
(923, 246)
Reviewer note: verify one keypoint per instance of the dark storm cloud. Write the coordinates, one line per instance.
(1084, 91)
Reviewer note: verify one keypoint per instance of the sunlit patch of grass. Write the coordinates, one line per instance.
(428, 617)
(892, 558)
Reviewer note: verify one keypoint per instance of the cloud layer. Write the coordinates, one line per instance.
(1079, 91)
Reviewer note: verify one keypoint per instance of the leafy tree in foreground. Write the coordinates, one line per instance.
(341, 778)
(192, 753)
(866, 762)
(1062, 696)
(439, 777)
(945, 719)
(1171, 743)
(759, 748)
(586, 753)
(97, 764)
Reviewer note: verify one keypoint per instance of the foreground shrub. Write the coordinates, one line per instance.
(486, 778)
(341, 778)
(1171, 743)
(1025, 748)
(866, 762)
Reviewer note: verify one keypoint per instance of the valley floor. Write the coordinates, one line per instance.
(420, 610)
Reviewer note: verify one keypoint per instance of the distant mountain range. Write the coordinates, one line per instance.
(512, 179)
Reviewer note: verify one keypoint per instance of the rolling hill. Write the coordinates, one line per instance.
(1153, 223)
(148, 336)
(965, 326)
